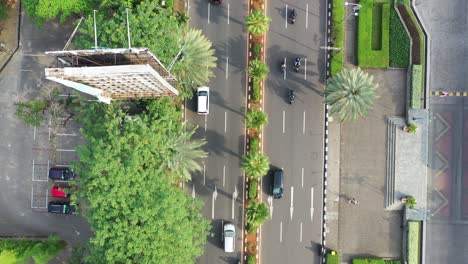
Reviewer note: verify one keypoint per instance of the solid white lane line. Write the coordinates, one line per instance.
(213, 199)
(229, 12)
(302, 178)
(286, 17)
(46, 198)
(270, 203)
(224, 175)
(307, 15)
(305, 69)
(311, 203)
(300, 234)
(209, 7)
(284, 73)
(234, 197)
(291, 209)
(206, 121)
(227, 67)
(225, 121)
(303, 123)
(204, 174)
(284, 115)
(34, 135)
(281, 231)
(32, 197)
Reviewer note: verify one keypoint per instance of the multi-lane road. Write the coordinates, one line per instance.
(294, 134)
(220, 184)
(293, 138)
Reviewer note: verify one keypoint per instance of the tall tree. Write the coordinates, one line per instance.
(257, 22)
(350, 94)
(181, 153)
(42, 10)
(196, 59)
(257, 213)
(136, 214)
(255, 164)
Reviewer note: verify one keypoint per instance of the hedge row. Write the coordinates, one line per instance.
(373, 31)
(337, 33)
(253, 185)
(399, 42)
(374, 261)
(416, 86)
(332, 259)
(414, 242)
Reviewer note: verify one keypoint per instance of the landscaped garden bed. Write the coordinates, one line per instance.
(414, 242)
(375, 261)
(399, 48)
(337, 36)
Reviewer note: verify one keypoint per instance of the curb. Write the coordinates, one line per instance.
(18, 33)
(325, 137)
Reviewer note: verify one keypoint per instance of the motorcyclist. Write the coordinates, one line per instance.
(297, 62)
(293, 16)
(291, 96)
(283, 66)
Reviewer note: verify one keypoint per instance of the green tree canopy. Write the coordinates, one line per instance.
(256, 164)
(258, 69)
(136, 213)
(256, 118)
(42, 10)
(257, 22)
(257, 213)
(350, 94)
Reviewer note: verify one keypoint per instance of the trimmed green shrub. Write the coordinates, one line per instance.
(251, 228)
(332, 259)
(256, 90)
(253, 189)
(258, 69)
(399, 42)
(416, 86)
(337, 33)
(256, 49)
(251, 259)
(373, 31)
(256, 118)
(368, 261)
(254, 144)
(392, 261)
(414, 242)
(411, 129)
(20, 251)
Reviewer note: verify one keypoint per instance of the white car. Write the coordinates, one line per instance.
(203, 100)
(229, 236)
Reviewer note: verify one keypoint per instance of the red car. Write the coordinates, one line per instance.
(61, 191)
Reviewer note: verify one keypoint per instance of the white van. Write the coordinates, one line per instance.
(203, 100)
(229, 235)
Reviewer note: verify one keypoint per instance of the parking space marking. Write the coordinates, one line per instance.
(206, 121)
(66, 135)
(66, 150)
(34, 134)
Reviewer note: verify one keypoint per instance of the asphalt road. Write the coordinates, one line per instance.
(220, 184)
(294, 135)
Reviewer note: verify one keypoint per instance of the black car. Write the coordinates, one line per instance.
(57, 207)
(216, 1)
(61, 173)
(277, 186)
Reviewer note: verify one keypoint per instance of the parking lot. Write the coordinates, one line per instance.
(26, 153)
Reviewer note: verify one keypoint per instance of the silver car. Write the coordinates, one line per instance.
(229, 235)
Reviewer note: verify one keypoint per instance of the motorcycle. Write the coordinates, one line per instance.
(283, 67)
(292, 16)
(291, 96)
(297, 64)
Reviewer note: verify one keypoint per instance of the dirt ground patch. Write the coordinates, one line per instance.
(8, 32)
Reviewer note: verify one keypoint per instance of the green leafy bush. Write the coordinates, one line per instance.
(251, 259)
(392, 261)
(332, 259)
(169, 4)
(255, 164)
(20, 251)
(251, 228)
(337, 32)
(257, 48)
(414, 242)
(256, 118)
(373, 34)
(368, 261)
(256, 90)
(253, 185)
(3, 11)
(416, 86)
(254, 144)
(411, 129)
(31, 112)
(399, 42)
(258, 69)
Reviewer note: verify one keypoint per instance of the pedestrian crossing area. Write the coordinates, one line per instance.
(447, 93)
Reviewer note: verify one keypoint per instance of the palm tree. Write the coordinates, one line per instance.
(257, 22)
(256, 118)
(196, 60)
(258, 69)
(256, 164)
(181, 152)
(257, 213)
(350, 94)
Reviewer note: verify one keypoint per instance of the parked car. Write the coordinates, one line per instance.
(229, 235)
(61, 191)
(216, 1)
(61, 173)
(277, 186)
(58, 207)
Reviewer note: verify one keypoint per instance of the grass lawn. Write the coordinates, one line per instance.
(337, 57)
(399, 42)
(373, 34)
(414, 242)
(21, 251)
